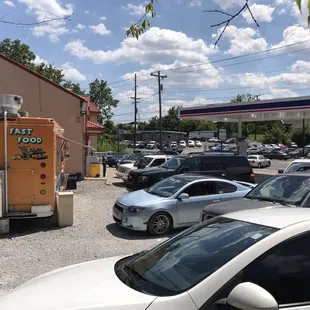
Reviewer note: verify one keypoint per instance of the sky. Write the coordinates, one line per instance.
(271, 60)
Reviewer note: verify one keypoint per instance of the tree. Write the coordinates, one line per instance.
(17, 51)
(74, 87)
(277, 134)
(49, 71)
(102, 96)
(245, 98)
(136, 29)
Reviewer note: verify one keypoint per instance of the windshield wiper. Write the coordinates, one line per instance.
(134, 277)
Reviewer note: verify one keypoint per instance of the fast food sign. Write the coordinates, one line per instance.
(24, 136)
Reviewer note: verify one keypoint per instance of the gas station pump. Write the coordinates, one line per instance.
(242, 147)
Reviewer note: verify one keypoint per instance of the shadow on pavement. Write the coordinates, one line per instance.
(123, 233)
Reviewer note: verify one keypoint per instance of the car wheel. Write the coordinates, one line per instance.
(111, 166)
(259, 165)
(269, 164)
(159, 224)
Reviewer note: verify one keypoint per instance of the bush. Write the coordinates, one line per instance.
(106, 146)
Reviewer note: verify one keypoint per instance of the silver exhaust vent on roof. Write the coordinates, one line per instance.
(11, 104)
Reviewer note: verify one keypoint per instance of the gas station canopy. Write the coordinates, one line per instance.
(288, 110)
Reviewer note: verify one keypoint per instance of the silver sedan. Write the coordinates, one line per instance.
(174, 202)
(259, 161)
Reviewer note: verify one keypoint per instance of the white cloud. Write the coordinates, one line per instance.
(9, 3)
(193, 3)
(103, 18)
(86, 12)
(242, 40)
(294, 34)
(301, 66)
(261, 12)
(70, 73)
(261, 81)
(154, 46)
(100, 29)
(225, 4)
(279, 93)
(48, 9)
(144, 93)
(133, 10)
(193, 77)
(38, 60)
(80, 26)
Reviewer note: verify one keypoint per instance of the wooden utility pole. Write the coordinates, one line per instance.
(160, 88)
(135, 113)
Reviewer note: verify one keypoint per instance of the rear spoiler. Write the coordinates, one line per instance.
(247, 184)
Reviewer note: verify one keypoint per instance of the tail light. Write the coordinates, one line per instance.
(43, 176)
(252, 176)
(253, 161)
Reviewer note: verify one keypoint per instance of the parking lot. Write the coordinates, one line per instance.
(37, 247)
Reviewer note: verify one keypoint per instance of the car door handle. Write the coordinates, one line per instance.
(216, 200)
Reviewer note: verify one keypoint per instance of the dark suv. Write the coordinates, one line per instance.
(230, 167)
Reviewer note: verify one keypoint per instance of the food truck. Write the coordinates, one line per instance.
(33, 151)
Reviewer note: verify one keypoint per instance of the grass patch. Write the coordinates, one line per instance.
(259, 137)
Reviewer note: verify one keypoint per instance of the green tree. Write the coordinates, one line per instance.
(50, 72)
(102, 96)
(277, 134)
(17, 51)
(245, 98)
(74, 87)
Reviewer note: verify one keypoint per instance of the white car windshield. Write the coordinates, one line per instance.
(167, 187)
(295, 167)
(182, 262)
(285, 189)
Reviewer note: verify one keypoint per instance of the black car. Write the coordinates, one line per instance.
(277, 154)
(230, 167)
(289, 190)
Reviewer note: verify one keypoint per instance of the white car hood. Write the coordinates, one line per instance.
(90, 285)
(129, 165)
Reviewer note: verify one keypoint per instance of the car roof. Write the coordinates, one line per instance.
(158, 156)
(189, 177)
(302, 160)
(272, 217)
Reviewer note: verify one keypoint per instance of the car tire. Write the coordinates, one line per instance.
(259, 165)
(269, 164)
(153, 224)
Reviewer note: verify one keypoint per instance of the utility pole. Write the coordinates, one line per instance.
(160, 88)
(136, 111)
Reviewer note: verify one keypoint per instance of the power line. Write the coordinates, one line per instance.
(136, 111)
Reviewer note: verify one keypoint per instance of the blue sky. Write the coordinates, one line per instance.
(180, 43)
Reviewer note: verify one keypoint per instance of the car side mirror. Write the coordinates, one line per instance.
(249, 296)
(281, 171)
(183, 196)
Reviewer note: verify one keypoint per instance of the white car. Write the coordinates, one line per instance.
(151, 145)
(198, 144)
(297, 165)
(182, 143)
(191, 143)
(248, 260)
(122, 171)
(259, 161)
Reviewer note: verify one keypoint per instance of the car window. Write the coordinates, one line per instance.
(284, 272)
(194, 163)
(173, 163)
(211, 164)
(158, 162)
(236, 161)
(200, 189)
(261, 157)
(294, 167)
(224, 187)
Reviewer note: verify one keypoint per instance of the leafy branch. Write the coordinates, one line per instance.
(298, 2)
(34, 23)
(143, 23)
(231, 18)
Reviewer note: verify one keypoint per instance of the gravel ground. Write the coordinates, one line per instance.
(35, 247)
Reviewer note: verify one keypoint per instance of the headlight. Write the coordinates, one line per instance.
(134, 209)
(142, 179)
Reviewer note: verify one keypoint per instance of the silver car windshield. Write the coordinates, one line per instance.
(287, 189)
(167, 187)
(298, 167)
(182, 262)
